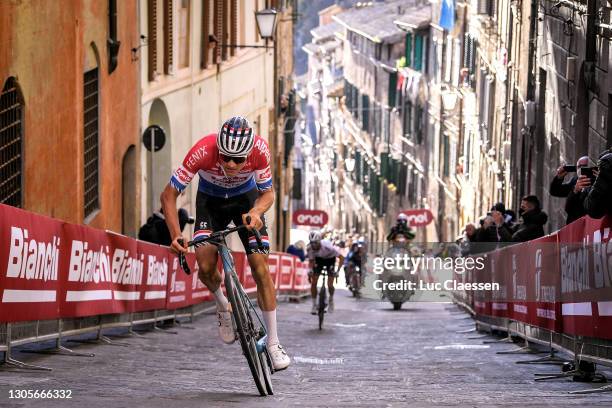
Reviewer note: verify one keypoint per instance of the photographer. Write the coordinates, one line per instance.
(533, 220)
(598, 200)
(494, 227)
(574, 189)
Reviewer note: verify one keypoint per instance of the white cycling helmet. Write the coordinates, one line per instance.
(236, 137)
(402, 217)
(315, 236)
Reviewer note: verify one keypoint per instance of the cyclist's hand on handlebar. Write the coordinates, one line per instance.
(255, 221)
(179, 244)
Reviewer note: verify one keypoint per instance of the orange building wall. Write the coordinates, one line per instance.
(45, 45)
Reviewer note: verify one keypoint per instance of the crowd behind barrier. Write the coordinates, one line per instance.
(59, 279)
(555, 290)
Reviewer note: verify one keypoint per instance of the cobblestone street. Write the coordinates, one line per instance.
(367, 355)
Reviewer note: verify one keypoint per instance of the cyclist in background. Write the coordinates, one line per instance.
(322, 254)
(235, 182)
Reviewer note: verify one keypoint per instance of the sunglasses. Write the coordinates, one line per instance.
(237, 160)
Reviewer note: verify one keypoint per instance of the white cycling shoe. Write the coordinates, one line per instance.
(314, 310)
(279, 357)
(330, 307)
(226, 330)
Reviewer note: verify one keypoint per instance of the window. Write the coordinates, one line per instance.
(469, 61)
(11, 144)
(183, 33)
(113, 43)
(487, 7)
(90, 142)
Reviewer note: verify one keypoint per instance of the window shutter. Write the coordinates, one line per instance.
(418, 52)
(392, 89)
(168, 36)
(234, 26)
(217, 20)
(205, 32)
(152, 40)
(366, 113)
(408, 50)
(224, 28)
(483, 6)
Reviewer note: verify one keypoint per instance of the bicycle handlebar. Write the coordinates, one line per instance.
(213, 238)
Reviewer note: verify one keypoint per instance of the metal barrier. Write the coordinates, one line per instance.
(577, 348)
(21, 333)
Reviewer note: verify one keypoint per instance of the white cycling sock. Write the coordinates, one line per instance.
(270, 319)
(220, 298)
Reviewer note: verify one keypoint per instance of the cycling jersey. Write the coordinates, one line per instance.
(327, 250)
(203, 159)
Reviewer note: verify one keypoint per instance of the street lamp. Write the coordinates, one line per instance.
(266, 23)
(266, 26)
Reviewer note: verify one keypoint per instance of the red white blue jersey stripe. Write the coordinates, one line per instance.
(203, 160)
(265, 241)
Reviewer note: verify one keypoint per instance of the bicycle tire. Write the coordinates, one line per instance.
(244, 324)
(266, 367)
(322, 296)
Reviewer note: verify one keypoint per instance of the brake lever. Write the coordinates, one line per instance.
(256, 233)
(183, 259)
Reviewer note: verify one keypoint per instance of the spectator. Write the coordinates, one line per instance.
(494, 227)
(558, 186)
(297, 249)
(156, 231)
(533, 220)
(598, 201)
(470, 236)
(575, 194)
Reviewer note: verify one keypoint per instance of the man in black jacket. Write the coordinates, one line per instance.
(533, 220)
(156, 231)
(598, 201)
(573, 190)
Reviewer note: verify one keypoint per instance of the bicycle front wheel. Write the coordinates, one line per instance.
(246, 332)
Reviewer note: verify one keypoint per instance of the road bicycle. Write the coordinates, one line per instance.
(249, 330)
(322, 304)
(355, 281)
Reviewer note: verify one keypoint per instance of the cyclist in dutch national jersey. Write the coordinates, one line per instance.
(322, 254)
(235, 182)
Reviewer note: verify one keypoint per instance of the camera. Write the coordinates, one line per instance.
(588, 171)
(569, 169)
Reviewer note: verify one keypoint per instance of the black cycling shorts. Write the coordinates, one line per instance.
(325, 263)
(215, 213)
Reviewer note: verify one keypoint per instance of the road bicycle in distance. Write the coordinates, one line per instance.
(322, 304)
(248, 325)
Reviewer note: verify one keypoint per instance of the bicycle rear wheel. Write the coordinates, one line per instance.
(322, 301)
(246, 332)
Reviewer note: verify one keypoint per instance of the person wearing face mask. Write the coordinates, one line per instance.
(532, 220)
